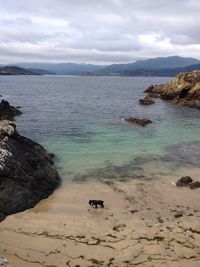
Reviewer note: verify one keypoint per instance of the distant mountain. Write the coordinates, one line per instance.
(148, 65)
(165, 62)
(161, 66)
(13, 70)
(41, 71)
(161, 72)
(63, 68)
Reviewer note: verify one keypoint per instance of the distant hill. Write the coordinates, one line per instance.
(161, 66)
(41, 71)
(63, 68)
(161, 72)
(148, 66)
(164, 62)
(14, 70)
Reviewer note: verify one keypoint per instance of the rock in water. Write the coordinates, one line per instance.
(146, 101)
(184, 181)
(184, 90)
(141, 122)
(27, 174)
(7, 112)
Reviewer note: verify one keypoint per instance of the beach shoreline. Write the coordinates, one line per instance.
(144, 223)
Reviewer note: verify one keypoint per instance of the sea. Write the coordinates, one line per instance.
(80, 120)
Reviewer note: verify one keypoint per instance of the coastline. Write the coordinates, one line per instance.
(147, 220)
(138, 226)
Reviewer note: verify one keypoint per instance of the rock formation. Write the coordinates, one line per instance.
(141, 122)
(184, 90)
(27, 174)
(146, 101)
(7, 112)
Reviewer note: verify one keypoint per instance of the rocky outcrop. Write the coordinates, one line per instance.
(27, 174)
(184, 90)
(8, 112)
(140, 122)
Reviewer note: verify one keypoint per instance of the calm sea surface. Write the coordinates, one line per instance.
(80, 120)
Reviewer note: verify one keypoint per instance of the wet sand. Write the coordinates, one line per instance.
(144, 223)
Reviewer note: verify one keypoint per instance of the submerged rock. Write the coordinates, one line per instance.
(184, 90)
(184, 181)
(7, 112)
(26, 171)
(141, 122)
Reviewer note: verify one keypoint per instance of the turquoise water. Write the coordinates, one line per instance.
(118, 147)
(80, 120)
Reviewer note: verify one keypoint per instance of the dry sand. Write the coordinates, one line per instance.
(137, 227)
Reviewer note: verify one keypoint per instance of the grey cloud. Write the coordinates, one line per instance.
(98, 31)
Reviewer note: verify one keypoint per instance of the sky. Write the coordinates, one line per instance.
(98, 31)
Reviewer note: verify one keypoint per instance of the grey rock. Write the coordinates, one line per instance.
(27, 174)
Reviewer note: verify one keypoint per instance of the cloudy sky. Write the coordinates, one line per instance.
(98, 31)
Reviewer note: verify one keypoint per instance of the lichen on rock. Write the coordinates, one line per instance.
(4, 155)
(7, 128)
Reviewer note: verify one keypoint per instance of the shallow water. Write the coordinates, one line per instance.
(79, 119)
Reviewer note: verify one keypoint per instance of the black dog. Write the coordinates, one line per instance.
(96, 203)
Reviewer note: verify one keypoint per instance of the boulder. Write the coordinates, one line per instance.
(184, 181)
(183, 90)
(8, 112)
(140, 122)
(27, 174)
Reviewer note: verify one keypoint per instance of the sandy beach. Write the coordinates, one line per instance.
(144, 223)
(99, 103)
